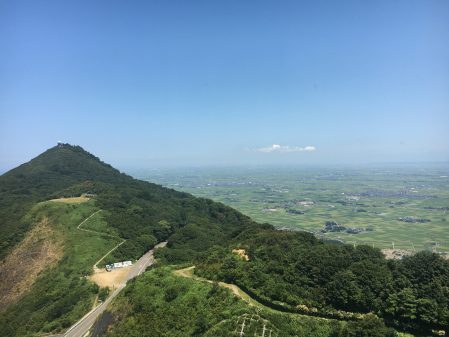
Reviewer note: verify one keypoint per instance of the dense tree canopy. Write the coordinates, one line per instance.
(302, 273)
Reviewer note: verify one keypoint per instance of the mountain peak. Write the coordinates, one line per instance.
(60, 167)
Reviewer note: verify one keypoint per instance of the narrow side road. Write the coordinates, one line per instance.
(87, 219)
(100, 233)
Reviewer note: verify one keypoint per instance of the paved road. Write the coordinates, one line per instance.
(81, 328)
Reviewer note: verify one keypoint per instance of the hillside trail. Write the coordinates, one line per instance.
(188, 273)
(238, 292)
(96, 269)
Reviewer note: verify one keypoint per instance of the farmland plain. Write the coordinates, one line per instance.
(402, 206)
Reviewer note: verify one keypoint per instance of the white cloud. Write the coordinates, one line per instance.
(286, 148)
(310, 148)
(272, 148)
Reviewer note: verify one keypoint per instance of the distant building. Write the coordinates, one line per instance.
(306, 203)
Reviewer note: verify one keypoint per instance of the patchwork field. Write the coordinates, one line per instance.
(402, 207)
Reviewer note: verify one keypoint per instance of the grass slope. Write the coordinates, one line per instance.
(61, 294)
(139, 212)
(160, 304)
(40, 179)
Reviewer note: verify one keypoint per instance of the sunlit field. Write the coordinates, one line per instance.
(403, 207)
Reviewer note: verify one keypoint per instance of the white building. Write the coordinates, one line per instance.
(115, 265)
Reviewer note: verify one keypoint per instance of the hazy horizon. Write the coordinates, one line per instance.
(146, 167)
(158, 84)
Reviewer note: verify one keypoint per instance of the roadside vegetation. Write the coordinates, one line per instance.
(161, 304)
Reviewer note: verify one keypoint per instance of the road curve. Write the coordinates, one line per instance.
(81, 328)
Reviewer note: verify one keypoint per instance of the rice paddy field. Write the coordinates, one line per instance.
(401, 207)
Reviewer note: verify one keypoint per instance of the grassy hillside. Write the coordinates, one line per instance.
(161, 304)
(139, 212)
(306, 287)
(42, 178)
(60, 294)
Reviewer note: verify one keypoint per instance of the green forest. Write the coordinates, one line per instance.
(139, 212)
(308, 287)
(298, 273)
(159, 304)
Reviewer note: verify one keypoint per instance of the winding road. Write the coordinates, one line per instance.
(81, 328)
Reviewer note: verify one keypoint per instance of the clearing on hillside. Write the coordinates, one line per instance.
(39, 250)
(74, 200)
(110, 279)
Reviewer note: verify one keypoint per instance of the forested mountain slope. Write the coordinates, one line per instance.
(296, 272)
(287, 272)
(139, 212)
(41, 178)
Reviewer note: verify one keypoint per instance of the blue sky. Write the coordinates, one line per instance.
(173, 83)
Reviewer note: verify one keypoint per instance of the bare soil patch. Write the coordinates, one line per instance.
(186, 272)
(396, 254)
(189, 273)
(39, 250)
(241, 253)
(111, 279)
(74, 200)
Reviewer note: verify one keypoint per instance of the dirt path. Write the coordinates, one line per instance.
(103, 257)
(188, 273)
(96, 269)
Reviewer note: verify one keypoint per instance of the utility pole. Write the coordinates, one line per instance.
(435, 247)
